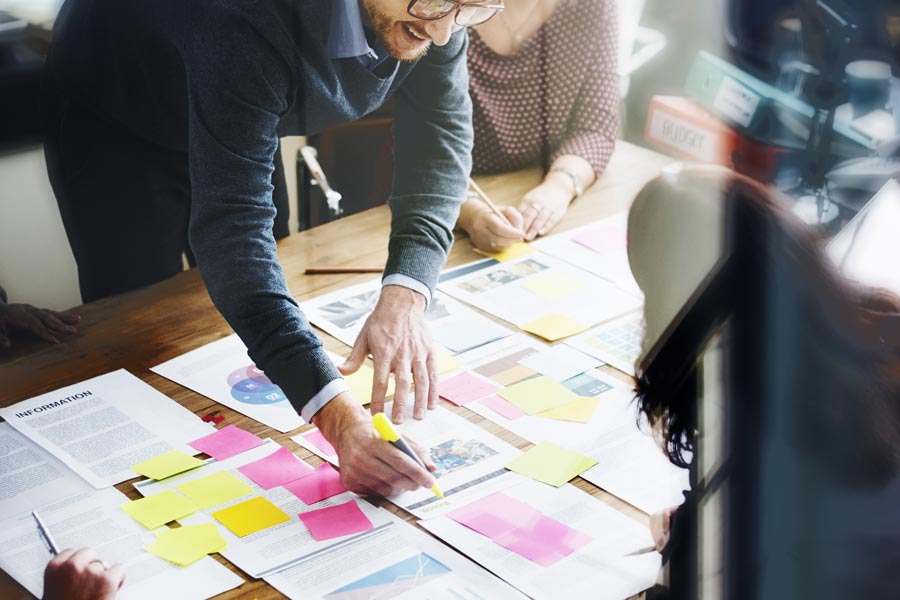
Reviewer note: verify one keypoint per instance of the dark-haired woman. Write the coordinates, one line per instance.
(808, 395)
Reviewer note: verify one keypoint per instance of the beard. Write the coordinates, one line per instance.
(384, 27)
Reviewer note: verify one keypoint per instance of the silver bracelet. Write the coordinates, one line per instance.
(576, 181)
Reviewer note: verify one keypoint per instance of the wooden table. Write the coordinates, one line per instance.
(138, 330)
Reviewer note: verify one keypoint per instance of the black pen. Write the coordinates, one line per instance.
(45, 534)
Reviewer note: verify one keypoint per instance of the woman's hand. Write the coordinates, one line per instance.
(487, 230)
(543, 207)
(660, 524)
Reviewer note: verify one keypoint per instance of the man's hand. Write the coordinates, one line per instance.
(80, 575)
(369, 465)
(47, 324)
(396, 336)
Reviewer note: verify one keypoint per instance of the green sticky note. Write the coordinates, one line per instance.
(251, 516)
(554, 286)
(167, 464)
(214, 489)
(512, 252)
(554, 327)
(188, 544)
(578, 411)
(552, 464)
(159, 509)
(538, 394)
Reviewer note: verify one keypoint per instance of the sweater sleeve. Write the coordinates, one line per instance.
(593, 126)
(433, 133)
(238, 87)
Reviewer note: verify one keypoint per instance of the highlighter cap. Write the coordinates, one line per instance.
(384, 427)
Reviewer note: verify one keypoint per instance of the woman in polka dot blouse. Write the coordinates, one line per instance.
(545, 91)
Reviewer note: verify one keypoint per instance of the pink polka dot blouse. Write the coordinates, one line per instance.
(558, 94)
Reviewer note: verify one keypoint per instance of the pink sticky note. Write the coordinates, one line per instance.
(226, 442)
(278, 468)
(603, 239)
(502, 407)
(465, 388)
(545, 541)
(336, 521)
(520, 528)
(325, 482)
(318, 440)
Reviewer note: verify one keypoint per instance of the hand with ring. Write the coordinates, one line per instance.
(80, 575)
(542, 208)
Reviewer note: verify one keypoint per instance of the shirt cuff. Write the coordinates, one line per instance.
(409, 283)
(323, 397)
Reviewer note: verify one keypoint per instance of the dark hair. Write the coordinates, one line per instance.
(856, 327)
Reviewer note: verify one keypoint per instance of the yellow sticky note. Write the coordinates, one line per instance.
(251, 516)
(214, 489)
(554, 327)
(552, 464)
(580, 410)
(538, 394)
(159, 509)
(360, 384)
(515, 251)
(187, 544)
(554, 286)
(167, 464)
(446, 362)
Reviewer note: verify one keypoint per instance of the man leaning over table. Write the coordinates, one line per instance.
(166, 121)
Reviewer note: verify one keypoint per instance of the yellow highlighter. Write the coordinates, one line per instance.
(389, 433)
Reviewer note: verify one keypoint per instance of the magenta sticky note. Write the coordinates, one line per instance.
(604, 239)
(226, 442)
(502, 407)
(325, 482)
(336, 521)
(545, 541)
(494, 515)
(276, 469)
(464, 388)
(318, 440)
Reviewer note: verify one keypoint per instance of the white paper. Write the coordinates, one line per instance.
(599, 570)
(398, 562)
(31, 477)
(471, 462)
(274, 548)
(867, 250)
(502, 290)
(223, 372)
(560, 362)
(616, 342)
(95, 520)
(452, 325)
(630, 464)
(102, 426)
(611, 265)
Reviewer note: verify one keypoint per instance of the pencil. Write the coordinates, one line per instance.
(338, 270)
(644, 550)
(487, 201)
(45, 533)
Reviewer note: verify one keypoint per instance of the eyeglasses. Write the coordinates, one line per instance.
(468, 14)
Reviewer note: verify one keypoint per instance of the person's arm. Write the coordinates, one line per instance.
(591, 136)
(46, 324)
(238, 86)
(433, 143)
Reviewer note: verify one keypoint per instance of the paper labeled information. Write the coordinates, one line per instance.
(553, 543)
(223, 372)
(94, 520)
(103, 426)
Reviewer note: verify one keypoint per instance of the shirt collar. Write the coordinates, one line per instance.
(346, 35)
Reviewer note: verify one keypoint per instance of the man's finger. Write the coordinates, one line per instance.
(84, 556)
(53, 324)
(407, 469)
(357, 356)
(402, 383)
(116, 574)
(423, 388)
(380, 380)
(431, 366)
(35, 326)
(423, 454)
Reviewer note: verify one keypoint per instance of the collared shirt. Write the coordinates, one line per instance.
(347, 36)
